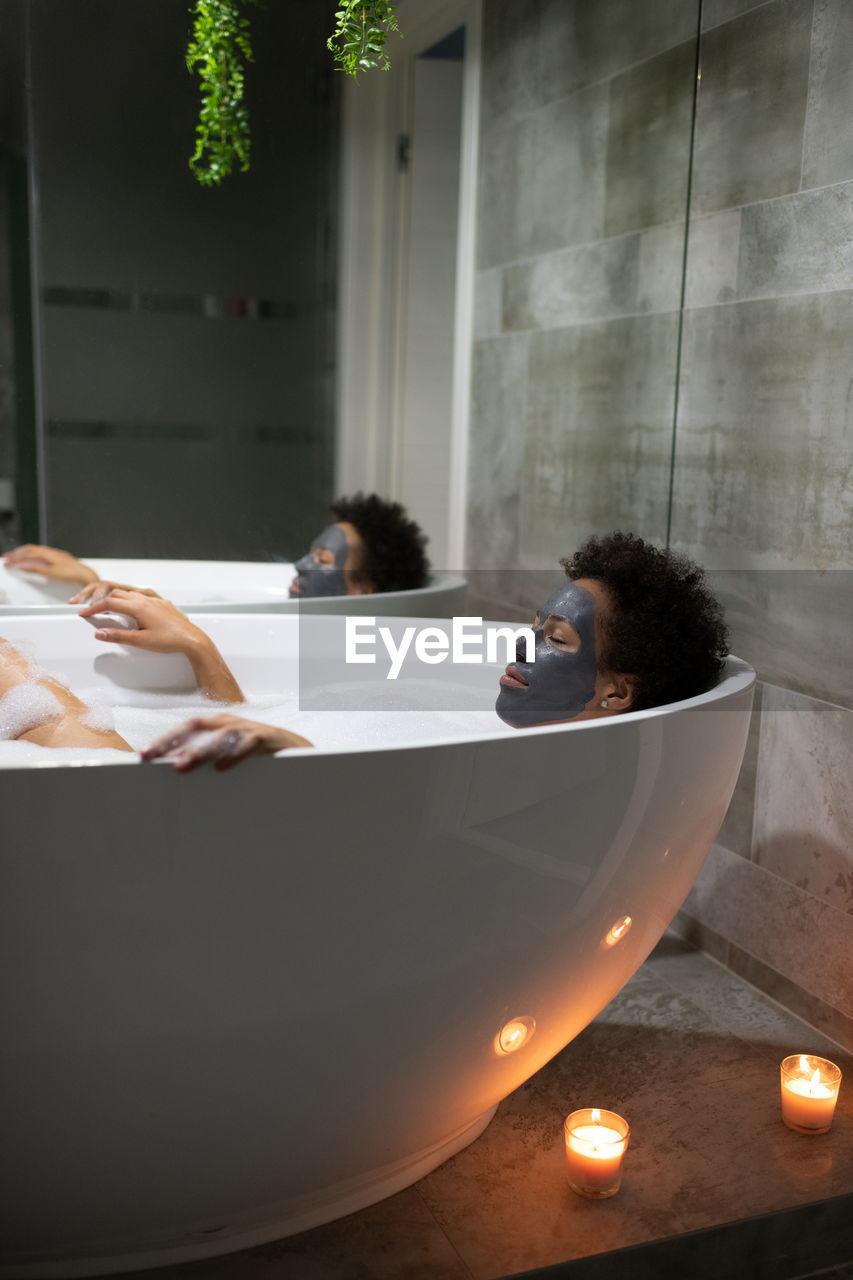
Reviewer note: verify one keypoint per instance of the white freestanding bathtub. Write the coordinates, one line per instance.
(226, 586)
(238, 1005)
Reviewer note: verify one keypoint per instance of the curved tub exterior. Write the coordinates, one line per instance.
(235, 1007)
(230, 586)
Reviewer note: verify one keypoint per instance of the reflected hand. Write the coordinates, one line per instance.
(96, 591)
(222, 741)
(50, 562)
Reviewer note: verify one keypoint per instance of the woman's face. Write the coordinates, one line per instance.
(560, 683)
(330, 567)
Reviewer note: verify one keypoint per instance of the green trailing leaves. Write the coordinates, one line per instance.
(358, 43)
(220, 48)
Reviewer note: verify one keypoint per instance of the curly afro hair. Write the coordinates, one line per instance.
(395, 557)
(664, 626)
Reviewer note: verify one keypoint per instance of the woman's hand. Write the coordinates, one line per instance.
(222, 740)
(50, 562)
(96, 591)
(163, 628)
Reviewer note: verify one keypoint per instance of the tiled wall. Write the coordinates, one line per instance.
(763, 481)
(586, 116)
(575, 385)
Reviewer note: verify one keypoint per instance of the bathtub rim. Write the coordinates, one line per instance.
(269, 600)
(738, 678)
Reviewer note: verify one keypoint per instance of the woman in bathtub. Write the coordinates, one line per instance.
(633, 626)
(36, 707)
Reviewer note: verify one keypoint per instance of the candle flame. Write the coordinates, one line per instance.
(596, 1116)
(815, 1080)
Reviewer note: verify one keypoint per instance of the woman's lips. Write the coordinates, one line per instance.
(513, 679)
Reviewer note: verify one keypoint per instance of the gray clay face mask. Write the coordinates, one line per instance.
(315, 579)
(559, 683)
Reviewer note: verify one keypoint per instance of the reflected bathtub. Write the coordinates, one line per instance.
(237, 1006)
(217, 586)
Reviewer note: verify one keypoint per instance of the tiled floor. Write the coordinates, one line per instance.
(690, 1056)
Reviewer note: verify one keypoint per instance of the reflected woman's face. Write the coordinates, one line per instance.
(561, 680)
(329, 568)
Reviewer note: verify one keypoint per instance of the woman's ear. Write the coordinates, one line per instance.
(358, 586)
(618, 693)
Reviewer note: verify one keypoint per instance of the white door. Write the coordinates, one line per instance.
(409, 161)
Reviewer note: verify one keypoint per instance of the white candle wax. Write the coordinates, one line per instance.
(594, 1153)
(809, 1092)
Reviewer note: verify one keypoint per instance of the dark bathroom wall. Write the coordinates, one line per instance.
(763, 481)
(584, 167)
(187, 334)
(585, 135)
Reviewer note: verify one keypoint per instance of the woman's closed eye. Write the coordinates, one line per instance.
(562, 635)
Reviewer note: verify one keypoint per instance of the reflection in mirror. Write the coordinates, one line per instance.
(184, 336)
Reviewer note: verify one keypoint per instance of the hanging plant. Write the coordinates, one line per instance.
(358, 42)
(221, 44)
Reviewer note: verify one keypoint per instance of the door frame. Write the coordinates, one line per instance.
(372, 256)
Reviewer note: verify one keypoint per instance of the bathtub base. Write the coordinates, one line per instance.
(278, 1221)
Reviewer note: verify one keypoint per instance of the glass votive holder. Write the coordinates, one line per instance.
(809, 1092)
(596, 1141)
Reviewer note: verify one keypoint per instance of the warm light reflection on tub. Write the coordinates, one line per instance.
(616, 932)
(514, 1034)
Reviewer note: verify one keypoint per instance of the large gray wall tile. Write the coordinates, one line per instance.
(804, 796)
(793, 626)
(764, 450)
(542, 179)
(713, 247)
(660, 268)
(829, 138)
(510, 55)
(736, 831)
(799, 244)
(583, 42)
(716, 11)
(783, 926)
(648, 141)
(598, 431)
(752, 106)
(498, 400)
(488, 286)
(597, 280)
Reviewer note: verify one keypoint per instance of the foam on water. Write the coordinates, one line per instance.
(26, 706)
(98, 717)
(140, 716)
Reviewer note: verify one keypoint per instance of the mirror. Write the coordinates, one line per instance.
(184, 352)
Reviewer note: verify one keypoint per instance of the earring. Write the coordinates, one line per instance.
(604, 702)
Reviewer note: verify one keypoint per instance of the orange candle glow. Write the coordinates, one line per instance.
(809, 1092)
(596, 1141)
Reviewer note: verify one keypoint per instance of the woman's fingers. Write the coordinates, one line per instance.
(222, 746)
(116, 596)
(175, 737)
(94, 591)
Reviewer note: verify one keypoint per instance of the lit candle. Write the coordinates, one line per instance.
(809, 1092)
(596, 1141)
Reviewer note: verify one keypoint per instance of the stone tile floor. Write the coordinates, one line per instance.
(689, 1054)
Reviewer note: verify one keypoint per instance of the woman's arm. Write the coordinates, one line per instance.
(163, 628)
